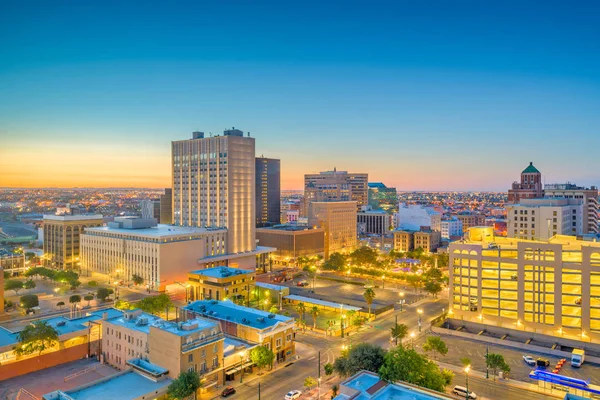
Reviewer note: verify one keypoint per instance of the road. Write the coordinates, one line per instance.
(488, 389)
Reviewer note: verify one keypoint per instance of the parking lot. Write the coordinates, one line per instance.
(461, 347)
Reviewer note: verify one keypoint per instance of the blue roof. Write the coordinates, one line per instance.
(64, 326)
(7, 338)
(228, 311)
(322, 303)
(157, 322)
(221, 272)
(153, 369)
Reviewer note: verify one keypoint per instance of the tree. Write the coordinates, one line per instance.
(123, 305)
(465, 361)
(137, 280)
(334, 391)
(337, 261)
(155, 304)
(399, 332)
(29, 301)
(30, 284)
(74, 284)
(88, 298)
(364, 256)
(433, 288)
(13, 284)
(369, 296)
(301, 308)
(448, 376)
(328, 369)
(36, 337)
(496, 362)
(415, 280)
(75, 299)
(435, 344)
(273, 309)
(92, 283)
(405, 364)
(261, 356)
(60, 304)
(102, 293)
(315, 313)
(186, 384)
(362, 356)
(309, 382)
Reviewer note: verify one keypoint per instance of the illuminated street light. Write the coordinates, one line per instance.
(419, 312)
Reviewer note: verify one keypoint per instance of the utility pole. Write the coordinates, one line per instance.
(396, 326)
(258, 390)
(319, 375)
(487, 370)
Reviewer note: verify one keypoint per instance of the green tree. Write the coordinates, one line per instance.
(74, 284)
(29, 301)
(465, 361)
(75, 299)
(301, 309)
(13, 284)
(261, 356)
(448, 375)
(328, 369)
(399, 332)
(274, 309)
(315, 313)
(36, 337)
(415, 280)
(364, 256)
(60, 305)
(404, 364)
(309, 382)
(186, 384)
(102, 294)
(88, 298)
(435, 344)
(433, 288)
(92, 283)
(496, 363)
(362, 356)
(334, 391)
(123, 305)
(155, 304)
(369, 296)
(29, 284)
(137, 280)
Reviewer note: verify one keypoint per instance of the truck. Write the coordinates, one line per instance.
(577, 357)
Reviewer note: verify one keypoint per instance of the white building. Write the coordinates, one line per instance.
(588, 196)
(451, 227)
(541, 219)
(413, 217)
(160, 254)
(374, 221)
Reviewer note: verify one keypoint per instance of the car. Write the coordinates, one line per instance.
(542, 362)
(462, 392)
(294, 394)
(529, 360)
(303, 283)
(228, 391)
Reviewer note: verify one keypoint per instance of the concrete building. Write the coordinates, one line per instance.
(414, 216)
(375, 221)
(550, 288)
(13, 263)
(274, 331)
(214, 186)
(336, 186)
(530, 186)
(150, 209)
(451, 227)
(382, 197)
(338, 219)
(292, 241)
(540, 219)
(166, 207)
(404, 241)
(62, 238)
(588, 196)
(470, 219)
(221, 283)
(268, 191)
(161, 254)
(193, 345)
(427, 240)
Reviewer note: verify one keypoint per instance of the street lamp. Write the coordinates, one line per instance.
(383, 281)
(467, 369)
(319, 396)
(412, 339)
(342, 316)
(314, 277)
(401, 300)
(242, 355)
(419, 312)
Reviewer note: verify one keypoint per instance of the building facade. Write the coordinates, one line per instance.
(221, 283)
(427, 240)
(268, 191)
(214, 186)
(414, 216)
(166, 207)
(292, 241)
(375, 221)
(540, 219)
(336, 186)
(588, 196)
(451, 227)
(530, 186)
(62, 238)
(161, 255)
(382, 197)
(338, 220)
(552, 287)
(470, 220)
(404, 241)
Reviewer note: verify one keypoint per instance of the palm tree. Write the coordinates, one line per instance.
(399, 332)
(301, 308)
(315, 312)
(369, 296)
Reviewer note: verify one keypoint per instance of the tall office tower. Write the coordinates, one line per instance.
(150, 209)
(268, 191)
(213, 186)
(530, 186)
(336, 186)
(588, 197)
(382, 197)
(166, 207)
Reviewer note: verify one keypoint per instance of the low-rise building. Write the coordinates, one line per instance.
(470, 219)
(451, 227)
(292, 241)
(221, 283)
(13, 263)
(274, 331)
(375, 221)
(404, 241)
(540, 219)
(427, 240)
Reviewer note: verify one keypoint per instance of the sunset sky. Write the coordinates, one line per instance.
(439, 95)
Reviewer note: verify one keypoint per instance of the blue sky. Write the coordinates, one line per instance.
(422, 95)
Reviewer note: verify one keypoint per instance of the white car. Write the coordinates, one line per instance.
(294, 394)
(529, 360)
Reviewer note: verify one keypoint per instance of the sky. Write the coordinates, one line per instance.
(428, 95)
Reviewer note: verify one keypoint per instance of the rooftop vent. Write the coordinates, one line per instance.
(61, 323)
(260, 319)
(213, 302)
(141, 321)
(271, 316)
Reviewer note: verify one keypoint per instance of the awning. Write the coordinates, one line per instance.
(237, 369)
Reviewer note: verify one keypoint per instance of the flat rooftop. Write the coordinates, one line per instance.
(290, 228)
(221, 272)
(227, 310)
(505, 243)
(142, 322)
(76, 217)
(160, 231)
(233, 345)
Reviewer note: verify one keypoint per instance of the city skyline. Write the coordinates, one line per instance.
(457, 97)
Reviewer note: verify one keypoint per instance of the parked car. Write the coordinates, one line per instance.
(529, 360)
(302, 283)
(462, 392)
(228, 391)
(294, 394)
(542, 362)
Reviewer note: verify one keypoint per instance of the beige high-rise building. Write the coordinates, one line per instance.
(214, 186)
(166, 207)
(62, 236)
(540, 219)
(336, 186)
(338, 219)
(588, 196)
